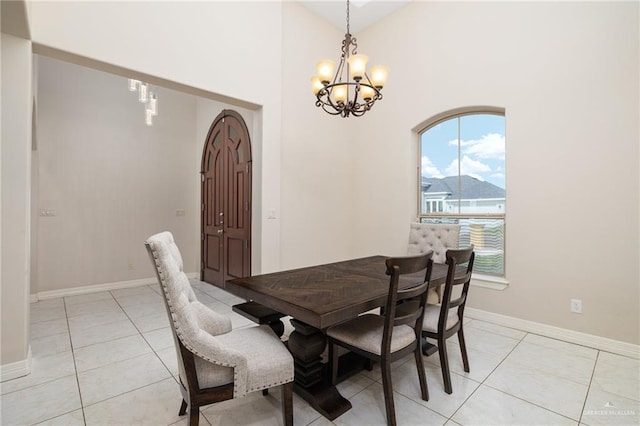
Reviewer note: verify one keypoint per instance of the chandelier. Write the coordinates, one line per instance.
(146, 97)
(350, 91)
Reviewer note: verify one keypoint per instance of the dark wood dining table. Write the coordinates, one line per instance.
(319, 297)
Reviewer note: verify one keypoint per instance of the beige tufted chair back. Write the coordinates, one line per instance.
(215, 362)
(438, 237)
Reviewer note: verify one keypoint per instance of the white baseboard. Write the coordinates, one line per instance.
(16, 369)
(579, 338)
(74, 291)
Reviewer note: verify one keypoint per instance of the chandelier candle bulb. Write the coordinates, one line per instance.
(325, 71)
(367, 92)
(357, 66)
(316, 85)
(340, 94)
(149, 118)
(379, 76)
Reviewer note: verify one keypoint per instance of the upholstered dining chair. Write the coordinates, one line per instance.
(390, 337)
(215, 362)
(444, 320)
(437, 237)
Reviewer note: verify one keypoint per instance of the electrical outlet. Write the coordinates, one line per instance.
(576, 306)
(131, 265)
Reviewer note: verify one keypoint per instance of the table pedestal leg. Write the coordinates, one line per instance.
(307, 344)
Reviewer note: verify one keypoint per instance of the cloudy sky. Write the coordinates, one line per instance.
(480, 152)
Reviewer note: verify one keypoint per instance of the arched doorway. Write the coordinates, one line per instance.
(226, 200)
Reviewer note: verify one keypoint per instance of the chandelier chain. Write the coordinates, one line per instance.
(348, 28)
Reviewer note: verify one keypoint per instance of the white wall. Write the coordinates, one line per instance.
(15, 172)
(219, 47)
(111, 179)
(154, 174)
(567, 74)
(317, 149)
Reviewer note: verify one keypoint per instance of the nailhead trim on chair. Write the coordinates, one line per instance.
(194, 351)
(177, 327)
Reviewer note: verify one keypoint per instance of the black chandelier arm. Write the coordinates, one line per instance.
(337, 79)
(329, 107)
(351, 106)
(370, 84)
(354, 43)
(350, 83)
(324, 98)
(349, 40)
(334, 112)
(328, 89)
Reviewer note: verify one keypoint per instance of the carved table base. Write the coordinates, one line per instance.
(307, 344)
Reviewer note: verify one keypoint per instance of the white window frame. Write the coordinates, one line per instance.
(496, 282)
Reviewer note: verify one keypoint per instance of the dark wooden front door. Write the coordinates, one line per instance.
(226, 200)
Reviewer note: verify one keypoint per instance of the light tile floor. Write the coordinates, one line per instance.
(108, 359)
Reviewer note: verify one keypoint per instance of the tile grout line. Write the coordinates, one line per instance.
(73, 356)
(488, 375)
(129, 391)
(450, 418)
(171, 376)
(593, 373)
(45, 356)
(409, 360)
(142, 334)
(514, 396)
(112, 322)
(56, 378)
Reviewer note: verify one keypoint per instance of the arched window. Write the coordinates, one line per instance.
(462, 180)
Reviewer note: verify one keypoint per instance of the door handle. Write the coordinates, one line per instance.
(220, 231)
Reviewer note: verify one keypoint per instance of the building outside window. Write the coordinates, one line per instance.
(462, 180)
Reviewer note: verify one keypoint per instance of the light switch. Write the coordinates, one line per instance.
(271, 214)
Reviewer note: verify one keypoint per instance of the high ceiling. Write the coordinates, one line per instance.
(362, 12)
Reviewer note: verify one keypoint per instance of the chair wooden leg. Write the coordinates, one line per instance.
(287, 404)
(333, 363)
(183, 408)
(421, 374)
(463, 349)
(194, 415)
(444, 365)
(388, 392)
